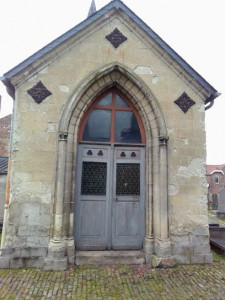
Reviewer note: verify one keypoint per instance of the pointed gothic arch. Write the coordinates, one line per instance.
(125, 80)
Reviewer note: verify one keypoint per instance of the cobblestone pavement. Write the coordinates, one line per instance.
(116, 282)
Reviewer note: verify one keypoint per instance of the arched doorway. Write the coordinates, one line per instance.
(110, 176)
(157, 240)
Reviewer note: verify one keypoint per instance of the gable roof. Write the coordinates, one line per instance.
(4, 165)
(214, 168)
(115, 4)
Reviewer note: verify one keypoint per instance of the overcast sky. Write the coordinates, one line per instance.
(193, 28)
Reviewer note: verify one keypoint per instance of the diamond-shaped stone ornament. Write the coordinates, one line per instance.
(184, 102)
(116, 38)
(39, 92)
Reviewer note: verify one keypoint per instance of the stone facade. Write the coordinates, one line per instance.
(39, 227)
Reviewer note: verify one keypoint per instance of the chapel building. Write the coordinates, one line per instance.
(108, 154)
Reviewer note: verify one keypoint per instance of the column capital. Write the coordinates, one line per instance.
(163, 140)
(63, 136)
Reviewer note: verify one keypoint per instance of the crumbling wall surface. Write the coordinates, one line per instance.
(188, 203)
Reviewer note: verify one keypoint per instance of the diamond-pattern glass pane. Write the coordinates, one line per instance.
(94, 175)
(127, 179)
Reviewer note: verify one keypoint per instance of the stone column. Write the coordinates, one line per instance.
(57, 259)
(164, 234)
(163, 243)
(61, 168)
(149, 239)
(156, 189)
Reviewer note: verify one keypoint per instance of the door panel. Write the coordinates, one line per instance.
(126, 214)
(92, 224)
(109, 205)
(92, 198)
(128, 199)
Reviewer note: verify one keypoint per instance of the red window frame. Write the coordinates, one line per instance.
(113, 109)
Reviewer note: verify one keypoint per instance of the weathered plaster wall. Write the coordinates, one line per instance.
(36, 133)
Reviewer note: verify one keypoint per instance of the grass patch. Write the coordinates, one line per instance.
(217, 257)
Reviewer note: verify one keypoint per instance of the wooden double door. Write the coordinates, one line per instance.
(110, 198)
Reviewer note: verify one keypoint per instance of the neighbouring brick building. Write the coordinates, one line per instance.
(215, 175)
(215, 178)
(3, 179)
(5, 126)
(104, 155)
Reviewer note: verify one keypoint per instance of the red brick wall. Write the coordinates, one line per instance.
(213, 186)
(5, 124)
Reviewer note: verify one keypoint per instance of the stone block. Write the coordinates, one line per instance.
(208, 259)
(8, 252)
(177, 249)
(18, 262)
(110, 257)
(37, 241)
(182, 259)
(205, 249)
(188, 249)
(38, 252)
(55, 265)
(56, 254)
(25, 253)
(197, 259)
(71, 250)
(199, 240)
(71, 260)
(4, 262)
(35, 262)
(180, 240)
(23, 230)
(17, 252)
(200, 230)
(148, 259)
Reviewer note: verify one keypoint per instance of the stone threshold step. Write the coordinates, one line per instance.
(110, 257)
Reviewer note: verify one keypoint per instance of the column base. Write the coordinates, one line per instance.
(162, 248)
(148, 250)
(61, 253)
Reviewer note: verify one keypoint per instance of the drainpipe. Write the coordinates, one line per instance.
(211, 99)
(6, 209)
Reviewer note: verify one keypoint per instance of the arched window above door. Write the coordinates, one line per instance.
(112, 118)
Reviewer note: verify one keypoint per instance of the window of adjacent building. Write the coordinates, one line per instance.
(216, 179)
(112, 118)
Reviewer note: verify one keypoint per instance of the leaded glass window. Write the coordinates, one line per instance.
(94, 175)
(127, 179)
(113, 119)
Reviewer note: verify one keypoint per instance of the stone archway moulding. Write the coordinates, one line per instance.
(157, 232)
